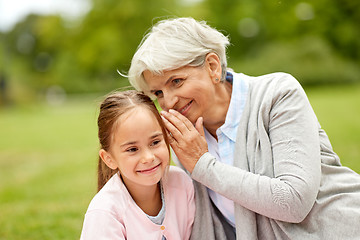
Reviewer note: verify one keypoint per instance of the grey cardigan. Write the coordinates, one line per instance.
(286, 182)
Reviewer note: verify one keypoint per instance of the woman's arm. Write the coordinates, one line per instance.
(293, 138)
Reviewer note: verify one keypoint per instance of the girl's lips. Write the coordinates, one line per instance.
(185, 109)
(149, 170)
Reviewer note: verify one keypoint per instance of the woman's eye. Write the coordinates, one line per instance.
(158, 93)
(176, 81)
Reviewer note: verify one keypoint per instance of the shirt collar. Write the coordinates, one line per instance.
(237, 103)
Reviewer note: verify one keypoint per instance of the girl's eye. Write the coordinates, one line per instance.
(132, 149)
(156, 142)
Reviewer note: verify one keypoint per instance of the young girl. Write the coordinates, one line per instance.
(139, 195)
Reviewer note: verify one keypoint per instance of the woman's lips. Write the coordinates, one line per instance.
(149, 170)
(185, 109)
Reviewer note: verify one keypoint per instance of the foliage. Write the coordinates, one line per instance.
(318, 42)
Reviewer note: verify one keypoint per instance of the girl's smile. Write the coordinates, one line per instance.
(149, 170)
(139, 149)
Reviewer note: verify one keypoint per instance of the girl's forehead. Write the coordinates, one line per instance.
(135, 111)
(136, 123)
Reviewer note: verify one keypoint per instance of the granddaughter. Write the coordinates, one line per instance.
(139, 195)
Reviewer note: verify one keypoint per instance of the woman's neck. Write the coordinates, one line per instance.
(148, 198)
(217, 115)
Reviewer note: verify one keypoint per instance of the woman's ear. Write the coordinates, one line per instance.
(213, 66)
(107, 159)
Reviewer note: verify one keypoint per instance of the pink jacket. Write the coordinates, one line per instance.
(113, 214)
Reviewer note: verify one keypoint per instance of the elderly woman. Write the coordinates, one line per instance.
(262, 166)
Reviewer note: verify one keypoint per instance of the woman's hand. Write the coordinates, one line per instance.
(187, 141)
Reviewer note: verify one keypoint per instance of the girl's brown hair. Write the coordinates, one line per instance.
(111, 109)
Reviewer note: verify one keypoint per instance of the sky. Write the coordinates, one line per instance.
(13, 11)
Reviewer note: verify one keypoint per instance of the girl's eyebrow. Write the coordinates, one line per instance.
(157, 135)
(127, 143)
(134, 142)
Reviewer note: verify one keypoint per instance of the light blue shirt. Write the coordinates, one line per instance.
(161, 215)
(223, 149)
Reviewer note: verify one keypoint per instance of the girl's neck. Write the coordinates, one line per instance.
(148, 198)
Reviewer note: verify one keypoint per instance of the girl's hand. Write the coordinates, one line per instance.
(187, 141)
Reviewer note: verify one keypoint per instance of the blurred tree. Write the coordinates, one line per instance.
(317, 41)
(109, 35)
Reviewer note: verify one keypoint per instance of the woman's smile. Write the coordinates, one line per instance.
(184, 110)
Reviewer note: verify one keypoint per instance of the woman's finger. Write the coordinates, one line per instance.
(189, 146)
(173, 131)
(183, 119)
(199, 125)
(176, 122)
(170, 137)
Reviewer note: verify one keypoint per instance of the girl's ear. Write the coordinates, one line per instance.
(107, 159)
(213, 65)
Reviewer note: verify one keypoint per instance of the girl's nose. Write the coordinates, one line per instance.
(148, 156)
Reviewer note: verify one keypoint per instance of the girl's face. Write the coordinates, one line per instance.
(138, 149)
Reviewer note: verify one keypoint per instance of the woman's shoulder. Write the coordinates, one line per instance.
(272, 84)
(277, 79)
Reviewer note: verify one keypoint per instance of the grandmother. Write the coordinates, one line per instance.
(263, 168)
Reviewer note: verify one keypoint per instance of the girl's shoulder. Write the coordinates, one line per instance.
(178, 190)
(112, 197)
(176, 171)
(176, 177)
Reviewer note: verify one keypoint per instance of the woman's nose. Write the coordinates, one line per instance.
(168, 101)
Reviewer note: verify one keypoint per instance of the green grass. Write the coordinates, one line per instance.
(47, 169)
(48, 158)
(338, 111)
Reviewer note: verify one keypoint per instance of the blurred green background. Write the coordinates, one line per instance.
(54, 72)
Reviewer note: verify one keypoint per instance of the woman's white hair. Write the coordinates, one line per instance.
(175, 43)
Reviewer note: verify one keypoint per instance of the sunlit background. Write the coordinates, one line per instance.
(59, 57)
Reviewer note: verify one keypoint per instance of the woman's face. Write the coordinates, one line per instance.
(188, 90)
